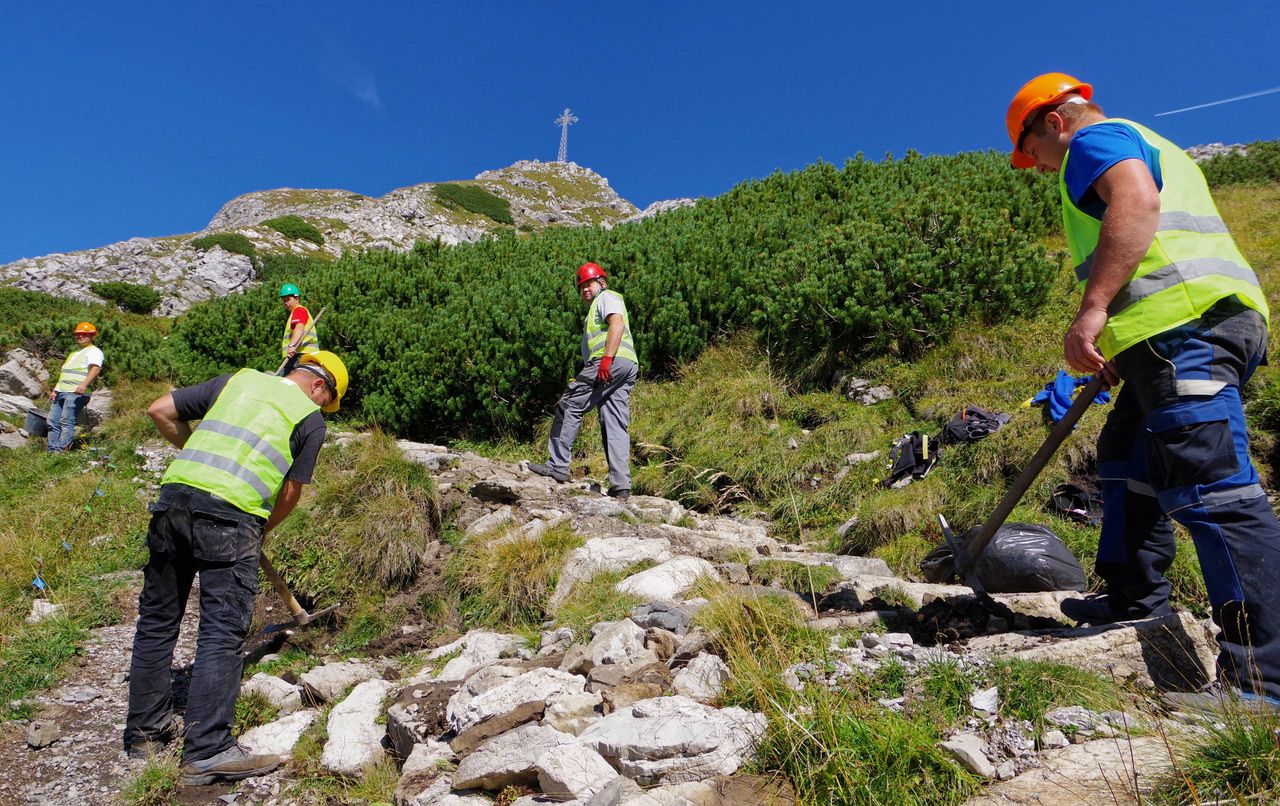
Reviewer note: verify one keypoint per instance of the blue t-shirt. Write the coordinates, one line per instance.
(1094, 149)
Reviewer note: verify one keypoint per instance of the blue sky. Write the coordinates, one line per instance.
(143, 118)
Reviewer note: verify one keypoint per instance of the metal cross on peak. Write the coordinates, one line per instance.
(565, 120)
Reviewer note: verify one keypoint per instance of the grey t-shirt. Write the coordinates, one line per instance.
(610, 303)
(194, 402)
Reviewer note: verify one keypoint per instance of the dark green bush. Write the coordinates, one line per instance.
(1259, 166)
(230, 241)
(825, 265)
(475, 199)
(135, 346)
(130, 296)
(292, 226)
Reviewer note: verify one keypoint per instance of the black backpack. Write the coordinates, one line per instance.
(911, 457)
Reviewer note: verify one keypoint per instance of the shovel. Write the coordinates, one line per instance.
(967, 556)
(301, 618)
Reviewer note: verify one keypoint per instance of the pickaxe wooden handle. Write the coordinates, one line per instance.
(301, 617)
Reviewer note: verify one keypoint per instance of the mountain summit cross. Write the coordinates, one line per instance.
(565, 120)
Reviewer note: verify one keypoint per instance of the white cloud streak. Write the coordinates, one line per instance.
(1231, 100)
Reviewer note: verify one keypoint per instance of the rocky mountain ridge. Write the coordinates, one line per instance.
(185, 270)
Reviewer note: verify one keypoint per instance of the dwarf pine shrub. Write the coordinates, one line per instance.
(292, 226)
(822, 265)
(130, 296)
(230, 241)
(1258, 165)
(474, 199)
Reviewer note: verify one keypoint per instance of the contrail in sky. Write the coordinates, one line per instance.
(1223, 101)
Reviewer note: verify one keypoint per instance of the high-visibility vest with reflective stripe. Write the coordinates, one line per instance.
(596, 333)
(1191, 264)
(74, 370)
(240, 451)
(309, 343)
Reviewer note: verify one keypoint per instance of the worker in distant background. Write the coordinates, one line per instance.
(71, 393)
(238, 474)
(1172, 307)
(299, 335)
(610, 368)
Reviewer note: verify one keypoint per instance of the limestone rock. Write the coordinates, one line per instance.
(703, 679)
(473, 650)
(426, 763)
(418, 714)
(12, 440)
(432, 457)
(481, 732)
(327, 683)
(509, 758)
(670, 580)
(355, 737)
(536, 686)
(14, 404)
(675, 739)
(488, 523)
(437, 792)
(42, 609)
(615, 643)
(280, 736)
(970, 751)
(568, 772)
(96, 412)
(572, 713)
(1093, 772)
(284, 696)
(601, 554)
(671, 616)
(42, 733)
(20, 374)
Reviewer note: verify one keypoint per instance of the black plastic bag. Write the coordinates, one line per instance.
(1021, 558)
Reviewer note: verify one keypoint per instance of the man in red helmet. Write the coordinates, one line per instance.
(1171, 306)
(609, 370)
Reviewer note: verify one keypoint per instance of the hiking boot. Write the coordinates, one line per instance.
(619, 493)
(231, 764)
(550, 472)
(156, 743)
(1218, 701)
(1092, 609)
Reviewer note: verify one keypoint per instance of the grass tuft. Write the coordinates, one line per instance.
(156, 784)
(596, 600)
(505, 577)
(1236, 760)
(253, 709)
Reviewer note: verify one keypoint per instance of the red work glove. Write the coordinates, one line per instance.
(602, 374)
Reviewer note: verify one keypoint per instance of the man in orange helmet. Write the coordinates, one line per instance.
(1171, 306)
(610, 368)
(71, 393)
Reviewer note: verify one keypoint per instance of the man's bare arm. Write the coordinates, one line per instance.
(165, 415)
(1128, 228)
(286, 500)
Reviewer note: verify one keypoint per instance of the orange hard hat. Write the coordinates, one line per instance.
(1039, 92)
(588, 272)
(86, 327)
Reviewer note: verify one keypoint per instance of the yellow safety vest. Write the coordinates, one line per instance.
(596, 333)
(1191, 264)
(309, 343)
(74, 370)
(240, 451)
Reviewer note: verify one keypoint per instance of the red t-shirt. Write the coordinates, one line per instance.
(299, 315)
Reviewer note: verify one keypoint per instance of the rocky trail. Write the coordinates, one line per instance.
(627, 715)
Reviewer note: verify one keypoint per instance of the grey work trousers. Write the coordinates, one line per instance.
(612, 398)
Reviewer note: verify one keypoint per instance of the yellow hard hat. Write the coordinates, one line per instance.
(337, 370)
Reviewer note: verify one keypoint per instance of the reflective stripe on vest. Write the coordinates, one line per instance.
(240, 451)
(74, 370)
(597, 333)
(1191, 264)
(309, 343)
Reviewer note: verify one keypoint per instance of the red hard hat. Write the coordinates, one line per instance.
(1037, 93)
(588, 272)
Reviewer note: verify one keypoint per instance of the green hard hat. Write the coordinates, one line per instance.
(289, 290)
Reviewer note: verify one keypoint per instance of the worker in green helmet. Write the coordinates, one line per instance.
(299, 332)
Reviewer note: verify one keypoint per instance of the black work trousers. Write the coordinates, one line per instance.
(193, 533)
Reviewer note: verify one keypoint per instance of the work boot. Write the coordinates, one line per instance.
(1217, 701)
(155, 744)
(231, 764)
(551, 473)
(620, 493)
(1094, 608)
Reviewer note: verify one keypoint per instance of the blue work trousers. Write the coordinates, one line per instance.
(193, 533)
(1175, 447)
(63, 415)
